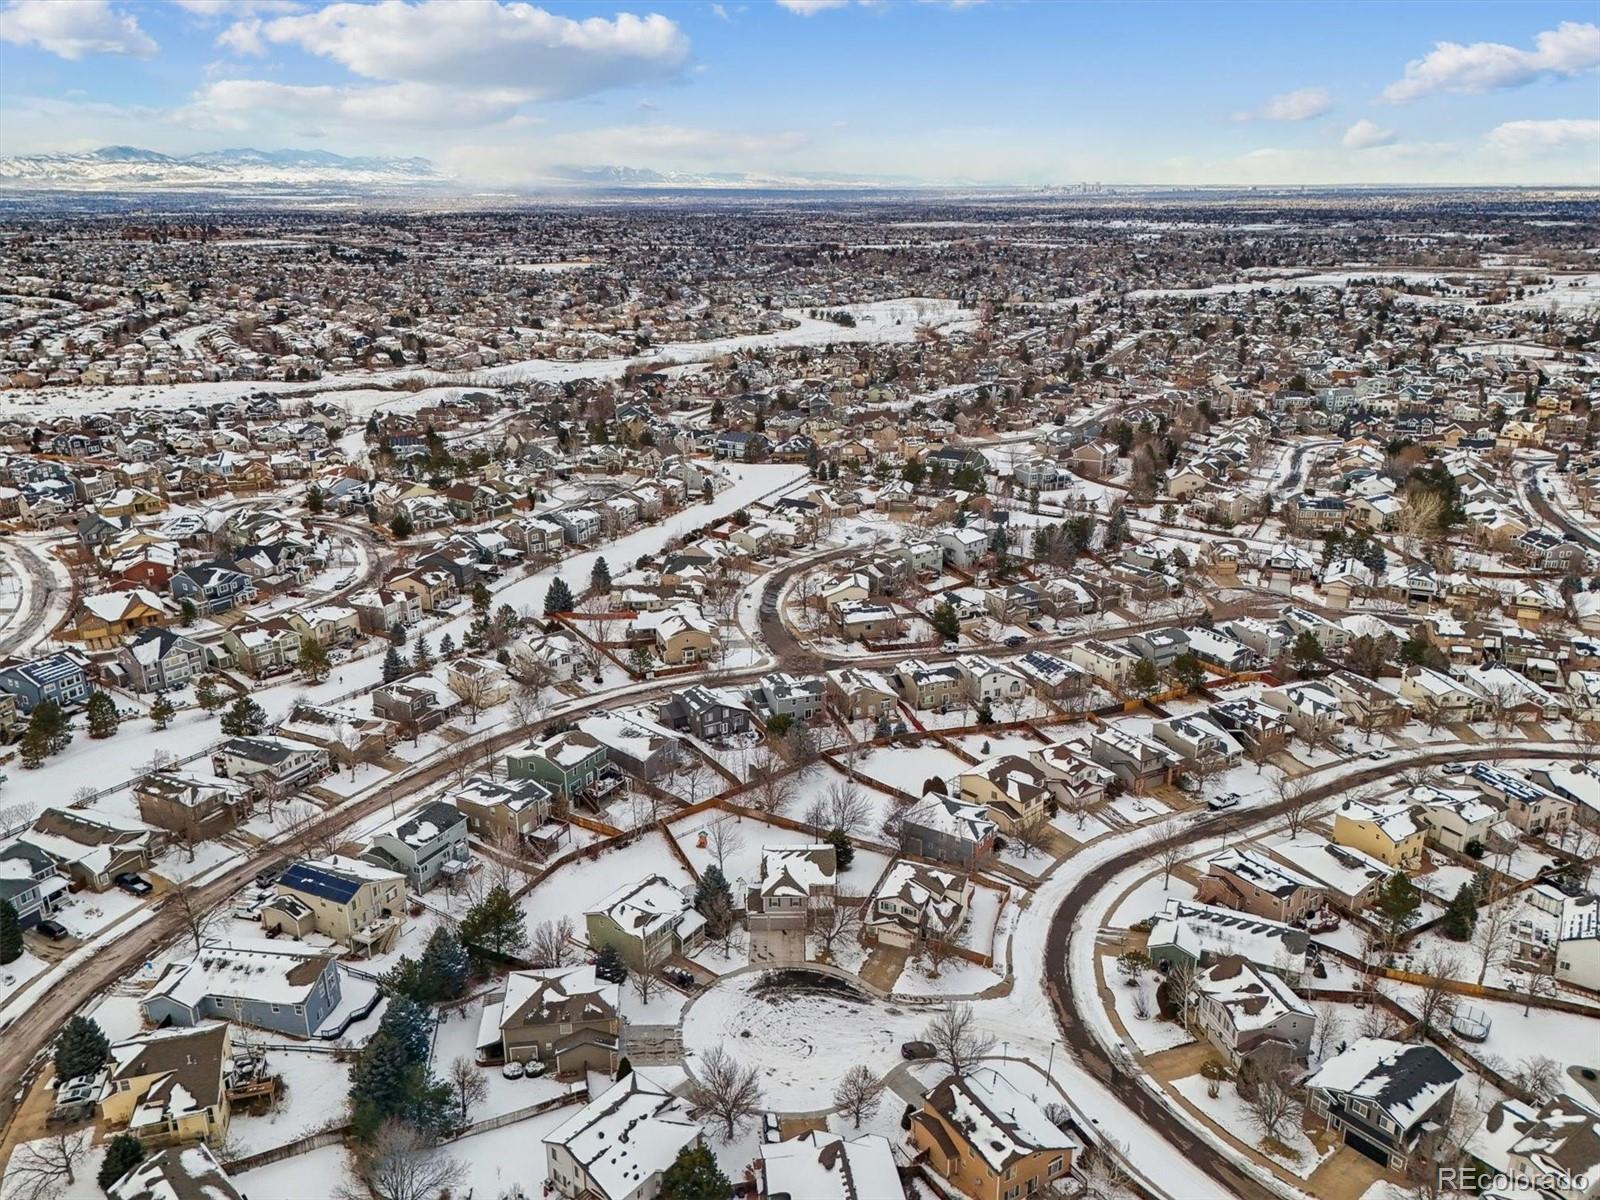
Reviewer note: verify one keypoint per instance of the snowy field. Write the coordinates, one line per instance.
(574, 888)
(803, 1038)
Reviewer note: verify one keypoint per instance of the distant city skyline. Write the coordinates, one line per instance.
(996, 93)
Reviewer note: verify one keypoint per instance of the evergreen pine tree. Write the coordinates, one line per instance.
(123, 1153)
(313, 661)
(600, 576)
(843, 852)
(10, 934)
(53, 726)
(695, 1175)
(608, 965)
(81, 1048)
(397, 634)
(394, 665)
(1398, 903)
(422, 657)
(624, 1068)
(34, 748)
(103, 718)
(494, 926)
(162, 712)
(1461, 914)
(445, 964)
(206, 694)
(447, 646)
(558, 598)
(481, 599)
(244, 718)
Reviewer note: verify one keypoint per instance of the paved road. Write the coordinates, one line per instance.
(1068, 997)
(28, 627)
(1550, 513)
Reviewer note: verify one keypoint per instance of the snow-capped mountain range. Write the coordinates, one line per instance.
(119, 168)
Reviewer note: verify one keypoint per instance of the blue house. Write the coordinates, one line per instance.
(62, 677)
(213, 586)
(30, 882)
(289, 989)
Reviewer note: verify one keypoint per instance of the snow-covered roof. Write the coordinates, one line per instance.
(819, 1165)
(1404, 1080)
(627, 1135)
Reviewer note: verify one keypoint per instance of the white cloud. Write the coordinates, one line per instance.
(1365, 134)
(720, 12)
(74, 30)
(1569, 49)
(243, 37)
(210, 10)
(1523, 138)
(484, 43)
(232, 103)
(1300, 105)
(810, 8)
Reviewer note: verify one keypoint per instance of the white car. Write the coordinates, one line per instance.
(1378, 755)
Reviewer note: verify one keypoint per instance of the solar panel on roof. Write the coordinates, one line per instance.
(303, 877)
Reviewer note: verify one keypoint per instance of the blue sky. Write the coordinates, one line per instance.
(997, 92)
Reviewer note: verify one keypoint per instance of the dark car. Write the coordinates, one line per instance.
(133, 884)
(54, 930)
(916, 1050)
(1016, 639)
(268, 876)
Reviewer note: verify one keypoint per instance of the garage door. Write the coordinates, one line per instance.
(1366, 1146)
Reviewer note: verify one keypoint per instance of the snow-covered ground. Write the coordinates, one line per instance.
(803, 1037)
(1228, 1110)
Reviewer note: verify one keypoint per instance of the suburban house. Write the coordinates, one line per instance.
(565, 762)
(64, 677)
(92, 848)
(498, 812)
(1199, 741)
(30, 883)
(353, 902)
(212, 587)
(1387, 832)
(170, 1087)
(1245, 1011)
(914, 902)
(428, 845)
(269, 762)
(193, 807)
(783, 695)
(706, 713)
(158, 660)
(949, 830)
(636, 744)
(616, 1146)
(989, 1140)
(1250, 882)
(480, 682)
(564, 1017)
(416, 704)
(191, 1173)
(1344, 873)
(1012, 789)
(1453, 818)
(1197, 935)
(266, 984)
(930, 686)
(818, 1165)
(859, 694)
(648, 922)
(793, 881)
(1138, 762)
(1387, 1100)
(1529, 807)
(1578, 942)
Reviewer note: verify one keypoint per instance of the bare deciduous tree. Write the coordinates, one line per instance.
(404, 1163)
(468, 1084)
(724, 837)
(198, 917)
(550, 944)
(858, 1094)
(828, 924)
(1294, 795)
(1271, 1100)
(726, 1089)
(1437, 1002)
(40, 1169)
(956, 1039)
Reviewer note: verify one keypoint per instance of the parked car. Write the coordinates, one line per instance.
(54, 930)
(915, 1050)
(268, 876)
(1016, 639)
(1454, 769)
(1378, 755)
(135, 885)
(1224, 801)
